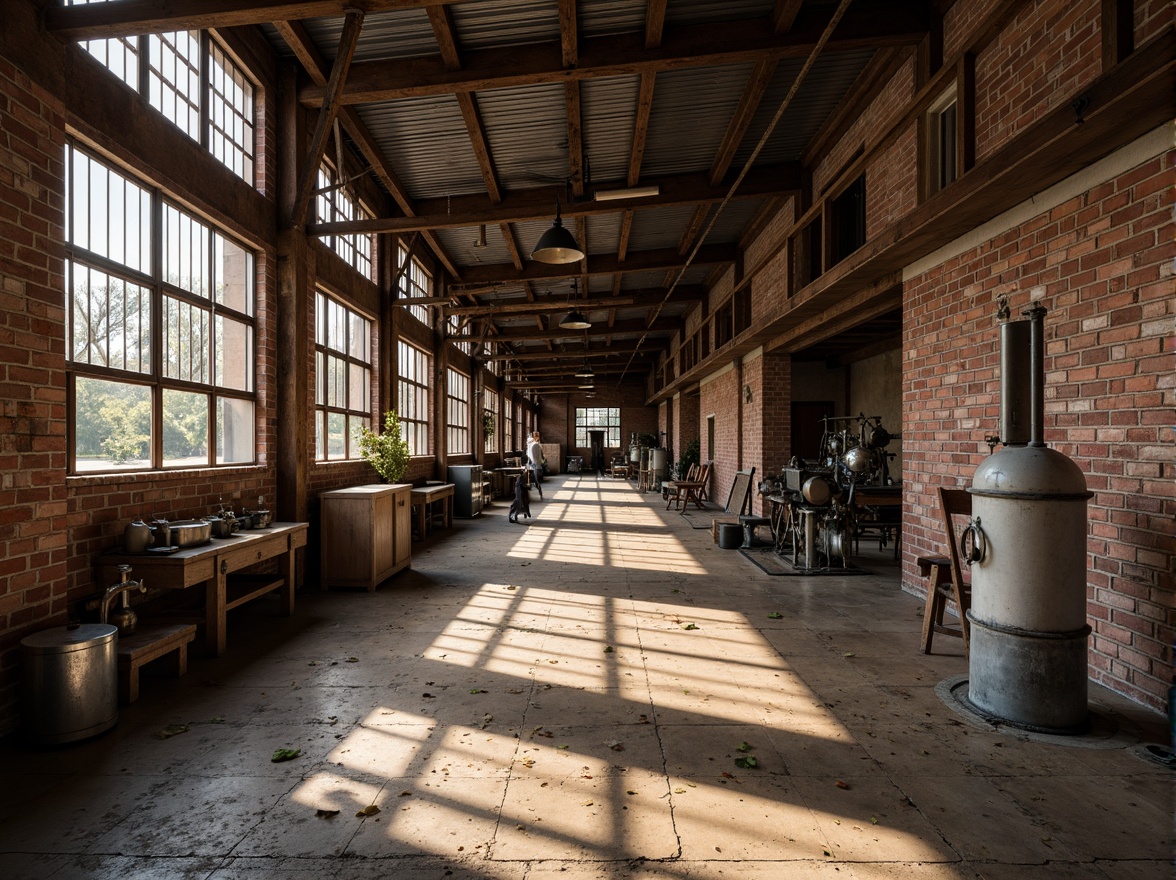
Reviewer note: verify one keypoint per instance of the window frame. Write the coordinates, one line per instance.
(457, 412)
(334, 203)
(413, 282)
(612, 423)
(414, 429)
(166, 365)
(355, 414)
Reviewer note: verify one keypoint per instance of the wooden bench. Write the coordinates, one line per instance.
(151, 642)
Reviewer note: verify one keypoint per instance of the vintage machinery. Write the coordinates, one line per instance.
(820, 511)
(1027, 549)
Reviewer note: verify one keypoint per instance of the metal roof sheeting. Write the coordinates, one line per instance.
(505, 22)
(511, 119)
(608, 115)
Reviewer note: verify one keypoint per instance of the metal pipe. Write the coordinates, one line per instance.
(1037, 375)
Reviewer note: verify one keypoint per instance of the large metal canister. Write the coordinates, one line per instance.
(1027, 663)
(70, 682)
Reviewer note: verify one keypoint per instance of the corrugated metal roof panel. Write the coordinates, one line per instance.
(401, 33)
(702, 11)
(690, 114)
(656, 228)
(600, 18)
(728, 229)
(823, 88)
(426, 142)
(517, 122)
(460, 245)
(505, 22)
(608, 113)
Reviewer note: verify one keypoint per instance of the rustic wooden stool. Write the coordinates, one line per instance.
(151, 642)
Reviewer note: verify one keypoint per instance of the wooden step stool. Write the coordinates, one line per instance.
(150, 642)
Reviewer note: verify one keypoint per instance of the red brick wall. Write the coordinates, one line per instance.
(35, 510)
(1105, 259)
(720, 397)
(1041, 59)
(892, 183)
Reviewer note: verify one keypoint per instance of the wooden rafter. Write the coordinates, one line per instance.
(580, 353)
(785, 14)
(326, 119)
(641, 126)
(655, 22)
(621, 328)
(445, 33)
(684, 293)
(477, 133)
(656, 260)
(873, 25)
(749, 101)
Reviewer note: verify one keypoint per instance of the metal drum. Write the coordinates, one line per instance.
(70, 682)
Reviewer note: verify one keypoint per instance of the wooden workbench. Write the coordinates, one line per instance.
(219, 566)
(425, 497)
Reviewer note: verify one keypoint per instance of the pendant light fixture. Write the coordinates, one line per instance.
(573, 320)
(557, 245)
(585, 372)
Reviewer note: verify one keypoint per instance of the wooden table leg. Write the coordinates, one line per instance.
(215, 613)
(288, 589)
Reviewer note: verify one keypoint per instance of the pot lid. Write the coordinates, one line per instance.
(64, 639)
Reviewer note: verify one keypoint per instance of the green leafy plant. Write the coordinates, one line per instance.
(690, 457)
(387, 451)
(487, 424)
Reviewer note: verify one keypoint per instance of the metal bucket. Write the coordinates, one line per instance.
(70, 682)
(730, 536)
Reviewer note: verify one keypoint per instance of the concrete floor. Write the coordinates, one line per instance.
(572, 698)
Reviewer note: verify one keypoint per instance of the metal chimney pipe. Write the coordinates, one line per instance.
(1015, 383)
(1037, 375)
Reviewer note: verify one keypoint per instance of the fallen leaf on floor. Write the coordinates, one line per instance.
(587, 804)
(478, 691)
(171, 730)
(775, 615)
(369, 810)
(744, 747)
(608, 649)
(873, 820)
(352, 659)
(428, 696)
(679, 791)
(405, 793)
(615, 746)
(841, 784)
(747, 762)
(836, 821)
(630, 792)
(280, 755)
(562, 747)
(848, 654)
(512, 587)
(326, 814)
(727, 775)
(515, 691)
(217, 720)
(642, 719)
(826, 852)
(690, 626)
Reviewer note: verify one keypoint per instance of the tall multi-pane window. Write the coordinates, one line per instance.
(598, 418)
(508, 425)
(161, 355)
(492, 425)
(457, 410)
(343, 378)
(455, 328)
(335, 204)
(190, 79)
(415, 282)
(413, 397)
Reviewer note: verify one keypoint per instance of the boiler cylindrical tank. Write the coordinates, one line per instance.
(657, 462)
(1027, 661)
(70, 682)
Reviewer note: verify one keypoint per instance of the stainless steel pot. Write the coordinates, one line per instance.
(190, 533)
(219, 528)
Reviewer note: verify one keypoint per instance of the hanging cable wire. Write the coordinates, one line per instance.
(759, 147)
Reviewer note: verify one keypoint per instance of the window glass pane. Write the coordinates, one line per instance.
(185, 341)
(359, 387)
(110, 320)
(336, 435)
(320, 435)
(234, 430)
(355, 424)
(233, 274)
(173, 63)
(185, 428)
(109, 215)
(413, 397)
(234, 354)
(320, 385)
(112, 425)
(185, 251)
(230, 114)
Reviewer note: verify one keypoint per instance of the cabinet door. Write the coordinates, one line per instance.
(402, 515)
(383, 535)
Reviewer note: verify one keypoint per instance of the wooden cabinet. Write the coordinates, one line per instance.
(366, 535)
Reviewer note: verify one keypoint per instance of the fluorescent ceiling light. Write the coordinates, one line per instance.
(630, 192)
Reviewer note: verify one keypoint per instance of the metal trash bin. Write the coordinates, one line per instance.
(70, 682)
(730, 536)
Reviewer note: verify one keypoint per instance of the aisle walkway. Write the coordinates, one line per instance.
(602, 693)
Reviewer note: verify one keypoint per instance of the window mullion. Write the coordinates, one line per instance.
(204, 89)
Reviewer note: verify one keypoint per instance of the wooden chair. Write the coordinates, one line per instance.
(945, 576)
(673, 493)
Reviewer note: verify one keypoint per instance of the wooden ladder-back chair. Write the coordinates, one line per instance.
(673, 493)
(945, 576)
(703, 476)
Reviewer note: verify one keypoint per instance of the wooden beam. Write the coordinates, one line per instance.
(445, 33)
(655, 22)
(536, 204)
(749, 101)
(641, 127)
(569, 35)
(575, 139)
(640, 261)
(131, 17)
(622, 328)
(326, 120)
(784, 15)
(473, 121)
(870, 24)
(558, 304)
(591, 354)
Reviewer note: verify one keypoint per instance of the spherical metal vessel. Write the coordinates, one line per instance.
(858, 460)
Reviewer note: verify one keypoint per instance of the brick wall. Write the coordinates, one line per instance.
(720, 397)
(35, 511)
(1104, 256)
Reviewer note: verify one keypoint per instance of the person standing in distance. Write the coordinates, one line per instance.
(535, 461)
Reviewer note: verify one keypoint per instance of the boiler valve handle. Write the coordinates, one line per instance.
(973, 543)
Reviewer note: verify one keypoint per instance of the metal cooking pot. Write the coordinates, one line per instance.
(190, 533)
(219, 528)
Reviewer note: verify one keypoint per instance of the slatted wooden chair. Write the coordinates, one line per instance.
(673, 493)
(945, 575)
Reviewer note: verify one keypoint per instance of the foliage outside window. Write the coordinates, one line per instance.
(335, 204)
(598, 418)
(457, 410)
(343, 379)
(413, 396)
(508, 423)
(415, 283)
(161, 356)
(191, 80)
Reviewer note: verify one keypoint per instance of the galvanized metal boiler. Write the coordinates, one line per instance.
(1028, 660)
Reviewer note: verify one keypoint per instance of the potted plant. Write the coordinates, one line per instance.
(387, 451)
(487, 424)
(690, 457)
